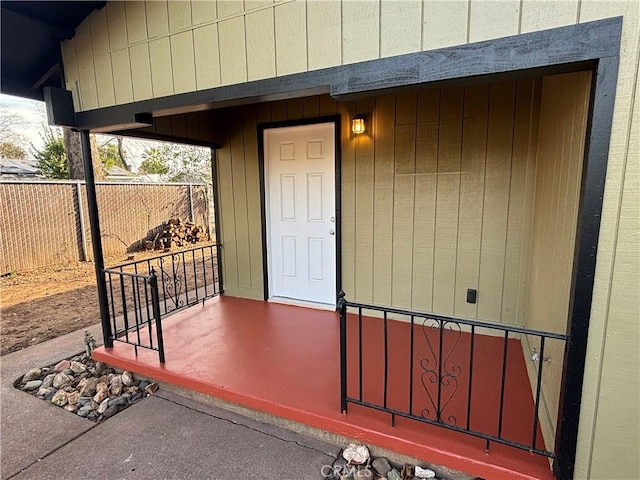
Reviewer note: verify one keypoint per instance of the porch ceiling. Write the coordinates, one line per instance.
(31, 32)
(283, 360)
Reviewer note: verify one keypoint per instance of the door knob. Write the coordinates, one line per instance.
(332, 232)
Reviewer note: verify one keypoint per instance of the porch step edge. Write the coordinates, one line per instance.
(328, 430)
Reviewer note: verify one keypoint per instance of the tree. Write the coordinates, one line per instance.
(109, 155)
(113, 154)
(75, 162)
(154, 162)
(52, 160)
(178, 163)
(9, 123)
(13, 151)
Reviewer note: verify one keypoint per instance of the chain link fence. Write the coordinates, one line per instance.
(46, 223)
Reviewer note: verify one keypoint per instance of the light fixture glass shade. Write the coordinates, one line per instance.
(357, 125)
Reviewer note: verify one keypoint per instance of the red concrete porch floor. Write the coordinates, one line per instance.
(284, 360)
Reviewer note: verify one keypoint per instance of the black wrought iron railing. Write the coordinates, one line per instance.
(454, 373)
(141, 292)
(140, 324)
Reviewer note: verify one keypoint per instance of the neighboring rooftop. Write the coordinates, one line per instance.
(13, 168)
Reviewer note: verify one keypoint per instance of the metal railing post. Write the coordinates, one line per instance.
(155, 300)
(83, 233)
(216, 215)
(96, 239)
(342, 308)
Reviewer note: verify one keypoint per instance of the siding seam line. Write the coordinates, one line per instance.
(421, 37)
(468, 21)
(484, 191)
(413, 203)
(455, 275)
(520, 16)
(246, 53)
(393, 194)
(246, 197)
(306, 40)
(506, 233)
(435, 206)
(373, 216)
(275, 44)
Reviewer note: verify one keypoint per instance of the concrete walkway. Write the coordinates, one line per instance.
(163, 436)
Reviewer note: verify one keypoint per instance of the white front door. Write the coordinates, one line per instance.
(300, 211)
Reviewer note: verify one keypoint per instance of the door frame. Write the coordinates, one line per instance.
(335, 119)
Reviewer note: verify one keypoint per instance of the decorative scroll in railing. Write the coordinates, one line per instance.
(179, 279)
(459, 374)
(140, 310)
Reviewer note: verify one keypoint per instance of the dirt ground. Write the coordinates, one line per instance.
(46, 303)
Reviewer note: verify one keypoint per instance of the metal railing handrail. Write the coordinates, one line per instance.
(145, 310)
(168, 254)
(127, 274)
(460, 320)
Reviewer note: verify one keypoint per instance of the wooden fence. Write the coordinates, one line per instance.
(45, 223)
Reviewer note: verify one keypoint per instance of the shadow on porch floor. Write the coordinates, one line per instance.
(284, 360)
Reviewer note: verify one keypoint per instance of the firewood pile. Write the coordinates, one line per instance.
(177, 233)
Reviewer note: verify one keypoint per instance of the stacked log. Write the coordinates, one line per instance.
(177, 233)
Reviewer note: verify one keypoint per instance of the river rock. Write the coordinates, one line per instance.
(424, 472)
(63, 365)
(71, 407)
(122, 400)
(32, 385)
(59, 398)
(116, 385)
(62, 380)
(43, 391)
(98, 369)
(77, 367)
(110, 412)
(82, 401)
(381, 465)
(33, 374)
(85, 410)
(89, 388)
(51, 393)
(100, 395)
(73, 398)
(151, 388)
(103, 406)
(127, 379)
(135, 397)
(393, 474)
(48, 380)
(143, 384)
(355, 453)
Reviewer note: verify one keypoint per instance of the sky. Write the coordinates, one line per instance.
(34, 119)
(31, 112)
